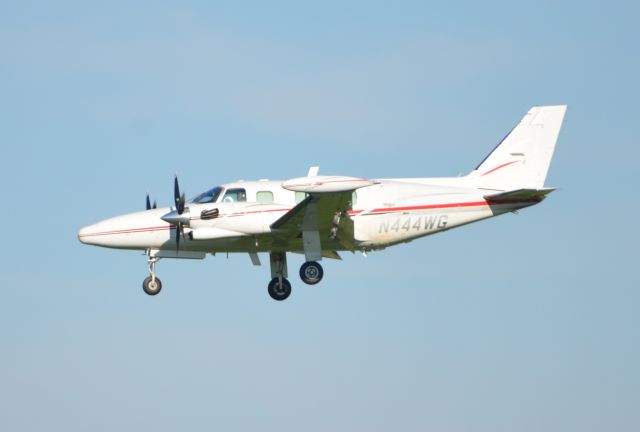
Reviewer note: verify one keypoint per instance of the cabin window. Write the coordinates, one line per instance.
(235, 195)
(300, 196)
(264, 197)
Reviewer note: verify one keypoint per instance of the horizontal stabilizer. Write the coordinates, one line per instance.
(519, 196)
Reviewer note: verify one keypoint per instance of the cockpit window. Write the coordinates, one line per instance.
(209, 196)
(235, 195)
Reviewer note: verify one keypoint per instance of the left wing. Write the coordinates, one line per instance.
(322, 216)
(321, 213)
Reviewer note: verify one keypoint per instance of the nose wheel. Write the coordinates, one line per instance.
(152, 284)
(311, 272)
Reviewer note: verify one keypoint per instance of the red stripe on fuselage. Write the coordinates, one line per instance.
(128, 230)
(429, 207)
(352, 212)
(158, 228)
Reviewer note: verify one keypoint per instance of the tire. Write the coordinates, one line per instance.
(311, 272)
(149, 287)
(279, 292)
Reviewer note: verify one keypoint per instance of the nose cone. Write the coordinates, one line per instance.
(83, 234)
(174, 218)
(138, 230)
(92, 234)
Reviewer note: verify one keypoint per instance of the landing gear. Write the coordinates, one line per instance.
(152, 285)
(311, 272)
(279, 288)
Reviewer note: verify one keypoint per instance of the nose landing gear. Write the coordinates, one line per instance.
(152, 285)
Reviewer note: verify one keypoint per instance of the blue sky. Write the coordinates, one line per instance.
(526, 322)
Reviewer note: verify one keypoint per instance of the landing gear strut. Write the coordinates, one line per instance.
(152, 285)
(279, 288)
(311, 272)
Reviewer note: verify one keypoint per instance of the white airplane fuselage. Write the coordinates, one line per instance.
(385, 213)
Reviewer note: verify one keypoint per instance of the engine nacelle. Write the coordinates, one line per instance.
(207, 233)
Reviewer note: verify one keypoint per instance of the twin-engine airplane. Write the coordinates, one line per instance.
(319, 216)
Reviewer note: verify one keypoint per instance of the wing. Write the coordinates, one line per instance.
(321, 220)
(321, 213)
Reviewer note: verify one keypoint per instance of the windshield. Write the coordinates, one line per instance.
(209, 196)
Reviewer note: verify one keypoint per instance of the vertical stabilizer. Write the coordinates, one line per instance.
(522, 158)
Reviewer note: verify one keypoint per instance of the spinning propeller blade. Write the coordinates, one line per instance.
(179, 233)
(180, 201)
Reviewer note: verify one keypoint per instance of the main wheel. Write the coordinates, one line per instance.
(151, 287)
(279, 291)
(311, 272)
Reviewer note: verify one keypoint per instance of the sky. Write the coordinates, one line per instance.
(524, 322)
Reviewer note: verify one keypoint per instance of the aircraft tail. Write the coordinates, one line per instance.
(521, 160)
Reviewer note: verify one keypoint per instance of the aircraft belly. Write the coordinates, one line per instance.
(250, 244)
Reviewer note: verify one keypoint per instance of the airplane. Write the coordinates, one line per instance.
(320, 216)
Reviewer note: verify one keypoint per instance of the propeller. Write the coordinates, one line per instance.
(149, 206)
(179, 199)
(176, 217)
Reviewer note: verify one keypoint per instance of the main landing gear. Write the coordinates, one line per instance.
(152, 285)
(311, 272)
(280, 288)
